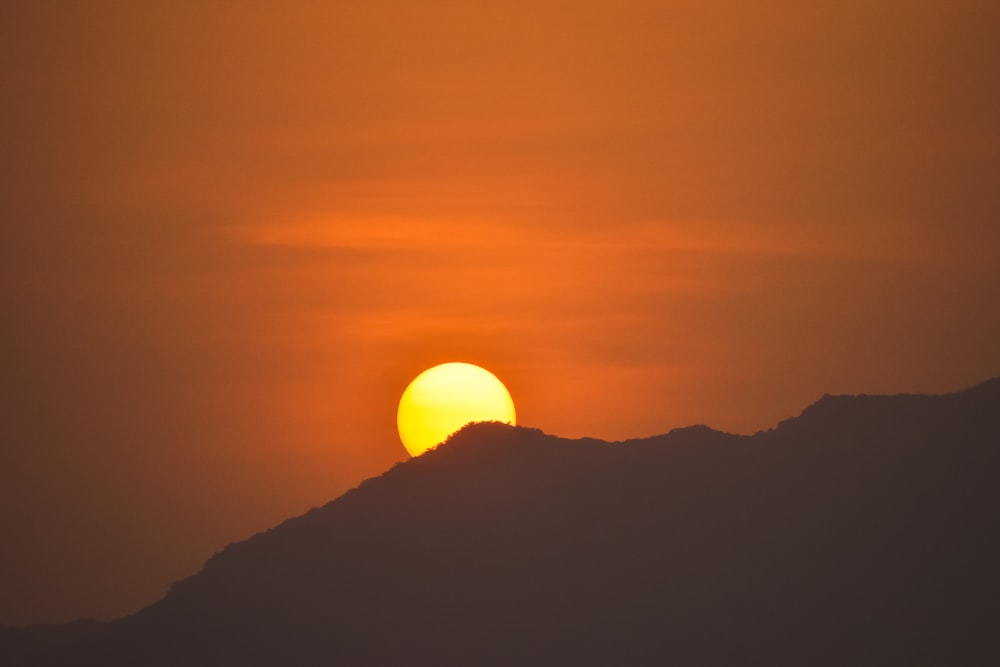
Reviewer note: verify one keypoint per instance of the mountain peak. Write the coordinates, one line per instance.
(861, 531)
(844, 412)
(489, 434)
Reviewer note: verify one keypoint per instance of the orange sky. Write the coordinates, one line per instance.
(232, 232)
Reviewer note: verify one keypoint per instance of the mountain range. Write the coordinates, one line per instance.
(862, 532)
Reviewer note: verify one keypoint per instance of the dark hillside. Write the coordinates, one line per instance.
(863, 531)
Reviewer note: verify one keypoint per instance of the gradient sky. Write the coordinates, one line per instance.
(232, 232)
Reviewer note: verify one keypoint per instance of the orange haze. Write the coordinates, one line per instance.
(231, 233)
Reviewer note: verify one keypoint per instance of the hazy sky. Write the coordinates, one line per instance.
(232, 232)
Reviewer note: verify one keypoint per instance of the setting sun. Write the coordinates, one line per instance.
(445, 398)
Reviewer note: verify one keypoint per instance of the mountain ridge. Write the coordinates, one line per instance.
(506, 544)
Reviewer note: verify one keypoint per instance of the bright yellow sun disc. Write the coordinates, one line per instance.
(443, 399)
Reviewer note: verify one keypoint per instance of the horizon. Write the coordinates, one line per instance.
(230, 235)
(525, 430)
(845, 532)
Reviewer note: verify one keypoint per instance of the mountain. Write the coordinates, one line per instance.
(863, 531)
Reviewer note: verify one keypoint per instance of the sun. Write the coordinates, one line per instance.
(443, 399)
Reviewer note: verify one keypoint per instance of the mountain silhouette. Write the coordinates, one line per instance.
(862, 532)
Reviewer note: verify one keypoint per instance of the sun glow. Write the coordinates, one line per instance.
(443, 399)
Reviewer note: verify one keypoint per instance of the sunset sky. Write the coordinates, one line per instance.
(232, 232)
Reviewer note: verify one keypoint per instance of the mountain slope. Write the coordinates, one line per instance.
(861, 532)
